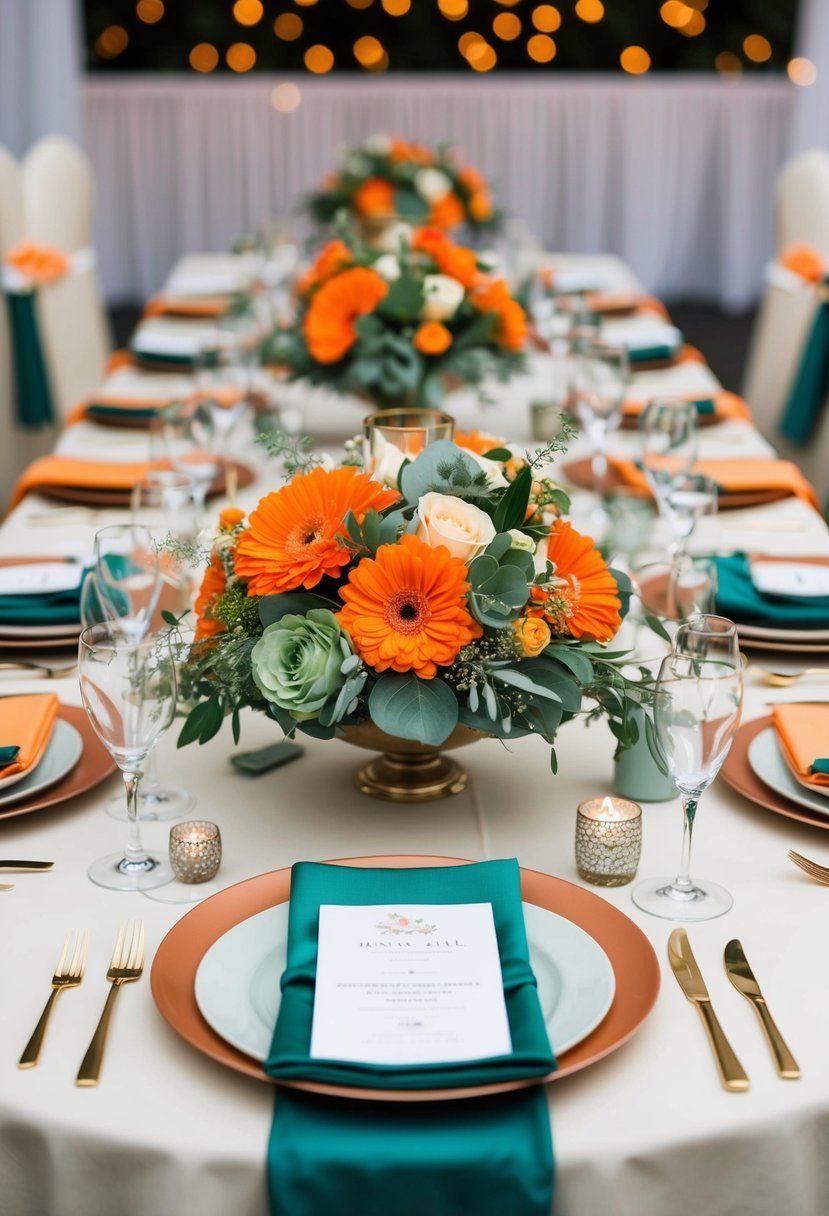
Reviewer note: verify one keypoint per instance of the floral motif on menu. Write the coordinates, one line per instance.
(396, 925)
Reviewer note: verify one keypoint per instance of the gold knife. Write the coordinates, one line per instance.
(742, 977)
(689, 978)
(26, 865)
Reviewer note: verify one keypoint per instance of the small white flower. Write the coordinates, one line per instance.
(387, 267)
(495, 478)
(431, 184)
(390, 238)
(357, 165)
(520, 541)
(378, 144)
(442, 297)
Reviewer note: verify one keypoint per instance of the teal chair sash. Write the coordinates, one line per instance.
(33, 392)
(811, 383)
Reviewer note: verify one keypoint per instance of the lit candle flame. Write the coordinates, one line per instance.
(609, 810)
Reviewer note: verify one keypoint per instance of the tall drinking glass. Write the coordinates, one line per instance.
(129, 693)
(127, 578)
(600, 374)
(668, 431)
(687, 498)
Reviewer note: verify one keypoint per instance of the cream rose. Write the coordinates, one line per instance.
(442, 297)
(431, 184)
(465, 530)
(388, 267)
(378, 145)
(389, 239)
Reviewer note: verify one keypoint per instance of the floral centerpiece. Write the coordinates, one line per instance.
(386, 178)
(397, 327)
(457, 601)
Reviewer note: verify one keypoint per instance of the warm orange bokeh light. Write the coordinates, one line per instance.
(693, 26)
(248, 12)
(368, 52)
(204, 57)
(802, 71)
(546, 18)
(590, 10)
(319, 59)
(112, 42)
(728, 63)
(285, 97)
(397, 8)
(240, 57)
(757, 48)
(482, 57)
(506, 26)
(675, 13)
(305, 3)
(635, 60)
(467, 41)
(288, 27)
(360, 3)
(541, 48)
(454, 10)
(149, 11)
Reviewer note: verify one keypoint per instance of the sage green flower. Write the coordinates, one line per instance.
(298, 662)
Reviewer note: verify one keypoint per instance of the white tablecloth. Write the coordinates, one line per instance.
(646, 1132)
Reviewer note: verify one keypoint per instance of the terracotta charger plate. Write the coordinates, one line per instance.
(738, 773)
(580, 473)
(93, 497)
(94, 766)
(630, 421)
(630, 953)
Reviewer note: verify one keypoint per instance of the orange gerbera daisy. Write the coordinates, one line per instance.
(405, 608)
(432, 338)
(478, 441)
(329, 321)
(212, 587)
(586, 604)
(333, 257)
(375, 197)
(292, 539)
(401, 149)
(492, 295)
(447, 212)
(451, 259)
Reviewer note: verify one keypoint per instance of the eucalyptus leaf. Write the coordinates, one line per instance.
(273, 607)
(411, 708)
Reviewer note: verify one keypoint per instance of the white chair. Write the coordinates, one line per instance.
(58, 192)
(785, 318)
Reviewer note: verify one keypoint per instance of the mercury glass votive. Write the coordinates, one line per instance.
(392, 436)
(195, 850)
(608, 841)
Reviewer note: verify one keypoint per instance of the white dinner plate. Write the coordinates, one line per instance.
(769, 633)
(237, 983)
(39, 631)
(766, 759)
(63, 751)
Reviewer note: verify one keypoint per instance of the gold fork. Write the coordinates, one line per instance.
(51, 673)
(785, 679)
(68, 974)
(812, 868)
(126, 965)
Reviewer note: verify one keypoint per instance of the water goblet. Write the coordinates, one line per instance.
(600, 375)
(697, 704)
(127, 577)
(687, 498)
(128, 690)
(191, 444)
(692, 588)
(668, 430)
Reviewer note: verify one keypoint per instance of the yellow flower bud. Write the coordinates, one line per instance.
(532, 634)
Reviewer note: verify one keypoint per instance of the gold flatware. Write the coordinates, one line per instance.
(742, 977)
(51, 673)
(812, 868)
(126, 965)
(785, 679)
(689, 978)
(6, 886)
(68, 974)
(26, 865)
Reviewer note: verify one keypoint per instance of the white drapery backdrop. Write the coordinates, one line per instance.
(40, 64)
(810, 113)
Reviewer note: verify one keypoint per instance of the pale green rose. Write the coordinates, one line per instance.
(297, 662)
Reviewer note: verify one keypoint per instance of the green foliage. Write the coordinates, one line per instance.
(411, 708)
(445, 468)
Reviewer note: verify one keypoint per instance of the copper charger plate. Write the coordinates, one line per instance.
(580, 473)
(92, 497)
(631, 956)
(738, 773)
(94, 766)
(630, 421)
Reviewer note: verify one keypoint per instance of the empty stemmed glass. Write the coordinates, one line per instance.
(697, 705)
(129, 693)
(192, 447)
(599, 379)
(127, 578)
(668, 431)
(686, 499)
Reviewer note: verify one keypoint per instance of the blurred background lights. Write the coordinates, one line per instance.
(590, 10)
(546, 18)
(149, 11)
(240, 57)
(319, 59)
(506, 26)
(248, 12)
(112, 42)
(728, 63)
(286, 97)
(757, 48)
(454, 10)
(802, 71)
(360, 3)
(397, 8)
(541, 48)
(635, 60)
(204, 57)
(693, 26)
(288, 26)
(368, 52)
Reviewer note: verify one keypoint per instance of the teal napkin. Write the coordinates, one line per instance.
(50, 608)
(811, 383)
(651, 354)
(33, 392)
(8, 755)
(151, 358)
(819, 766)
(100, 409)
(488, 1156)
(739, 600)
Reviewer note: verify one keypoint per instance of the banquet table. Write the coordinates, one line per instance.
(647, 1131)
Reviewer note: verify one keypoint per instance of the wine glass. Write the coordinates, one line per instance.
(692, 588)
(224, 374)
(192, 444)
(600, 375)
(127, 577)
(129, 693)
(669, 443)
(697, 703)
(686, 499)
(707, 634)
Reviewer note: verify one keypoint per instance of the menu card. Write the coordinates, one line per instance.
(409, 984)
(33, 578)
(790, 578)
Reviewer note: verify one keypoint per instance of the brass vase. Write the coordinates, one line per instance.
(408, 771)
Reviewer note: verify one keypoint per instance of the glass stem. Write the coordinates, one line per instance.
(149, 780)
(599, 466)
(683, 882)
(134, 855)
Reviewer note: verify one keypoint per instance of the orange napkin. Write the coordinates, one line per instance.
(179, 306)
(726, 405)
(85, 474)
(625, 301)
(735, 476)
(803, 734)
(27, 723)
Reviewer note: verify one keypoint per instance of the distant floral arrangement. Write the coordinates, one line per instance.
(397, 324)
(386, 178)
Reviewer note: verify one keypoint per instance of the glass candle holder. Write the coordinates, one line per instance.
(195, 850)
(608, 841)
(392, 436)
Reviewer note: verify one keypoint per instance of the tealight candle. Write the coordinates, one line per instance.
(392, 436)
(195, 850)
(608, 841)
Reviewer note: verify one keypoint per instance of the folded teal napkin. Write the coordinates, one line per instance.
(8, 755)
(819, 766)
(740, 601)
(50, 608)
(100, 409)
(495, 882)
(151, 358)
(810, 387)
(651, 354)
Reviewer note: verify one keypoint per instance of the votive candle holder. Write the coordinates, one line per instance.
(608, 841)
(195, 850)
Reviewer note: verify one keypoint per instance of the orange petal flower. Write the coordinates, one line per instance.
(451, 259)
(40, 263)
(405, 608)
(333, 257)
(292, 538)
(375, 197)
(587, 604)
(447, 212)
(212, 587)
(805, 261)
(329, 321)
(432, 338)
(492, 295)
(401, 149)
(478, 441)
(480, 206)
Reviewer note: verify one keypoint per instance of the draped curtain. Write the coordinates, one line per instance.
(40, 63)
(810, 115)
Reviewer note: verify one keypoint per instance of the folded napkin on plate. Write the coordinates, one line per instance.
(81, 474)
(26, 723)
(188, 306)
(734, 476)
(803, 734)
(740, 600)
(484, 1155)
(42, 608)
(724, 405)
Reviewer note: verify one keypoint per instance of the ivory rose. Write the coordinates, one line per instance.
(388, 267)
(431, 184)
(463, 529)
(441, 297)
